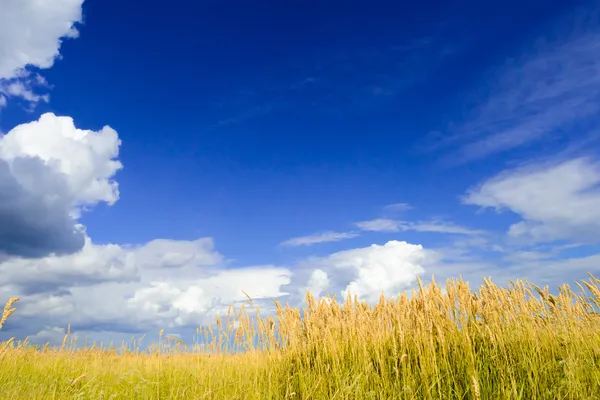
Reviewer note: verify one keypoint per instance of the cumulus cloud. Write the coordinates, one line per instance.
(31, 34)
(185, 303)
(180, 285)
(92, 264)
(160, 284)
(49, 170)
(159, 259)
(318, 282)
(35, 215)
(177, 254)
(86, 158)
(147, 305)
(390, 225)
(555, 201)
(369, 271)
(322, 237)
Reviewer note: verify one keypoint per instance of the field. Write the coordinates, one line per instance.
(438, 342)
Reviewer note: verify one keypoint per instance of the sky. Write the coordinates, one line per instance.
(157, 160)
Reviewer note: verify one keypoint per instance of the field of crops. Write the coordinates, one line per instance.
(438, 342)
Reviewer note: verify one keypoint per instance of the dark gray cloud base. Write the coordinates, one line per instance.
(35, 221)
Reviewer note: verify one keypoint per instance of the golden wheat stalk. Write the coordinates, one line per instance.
(8, 310)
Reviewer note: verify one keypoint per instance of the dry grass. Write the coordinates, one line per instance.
(519, 342)
(8, 310)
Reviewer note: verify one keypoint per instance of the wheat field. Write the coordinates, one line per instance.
(438, 342)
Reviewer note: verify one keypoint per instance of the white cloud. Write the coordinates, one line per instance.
(85, 158)
(559, 201)
(390, 225)
(115, 288)
(26, 87)
(2, 102)
(31, 34)
(541, 95)
(163, 283)
(184, 302)
(49, 170)
(318, 282)
(323, 237)
(134, 289)
(92, 264)
(366, 272)
(177, 254)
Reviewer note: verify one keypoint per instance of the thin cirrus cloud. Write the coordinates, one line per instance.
(390, 225)
(379, 225)
(397, 207)
(322, 237)
(534, 97)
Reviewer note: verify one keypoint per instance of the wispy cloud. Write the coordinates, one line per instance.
(390, 225)
(260, 110)
(26, 86)
(397, 207)
(322, 237)
(440, 227)
(542, 95)
(379, 225)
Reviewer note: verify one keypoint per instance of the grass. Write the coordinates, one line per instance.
(519, 342)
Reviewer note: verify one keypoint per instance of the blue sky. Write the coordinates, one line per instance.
(277, 147)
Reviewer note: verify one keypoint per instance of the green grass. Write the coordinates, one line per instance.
(518, 342)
